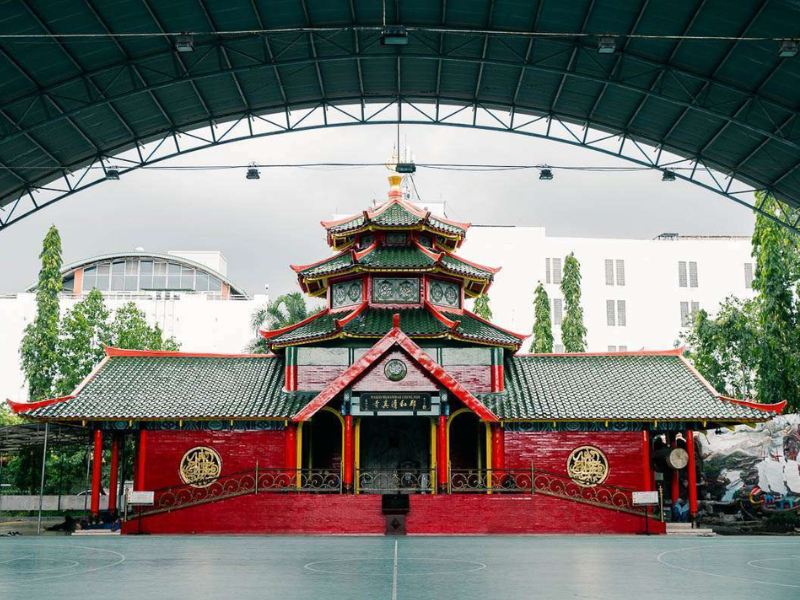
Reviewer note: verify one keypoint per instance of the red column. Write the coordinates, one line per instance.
(114, 475)
(347, 470)
(498, 446)
(141, 458)
(442, 467)
(647, 478)
(97, 470)
(676, 478)
(290, 451)
(692, 468)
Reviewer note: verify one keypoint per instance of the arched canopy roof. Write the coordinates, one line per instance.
(728, 105)
(141, 255)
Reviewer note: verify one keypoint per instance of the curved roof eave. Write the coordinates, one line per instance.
(74, 266)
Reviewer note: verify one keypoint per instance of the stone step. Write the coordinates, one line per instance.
(677, 526)
(691, 533)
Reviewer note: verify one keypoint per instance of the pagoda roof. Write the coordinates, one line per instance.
(131, 385)
(395, 213)
(624, 386)
(382, 258)
(371, 322)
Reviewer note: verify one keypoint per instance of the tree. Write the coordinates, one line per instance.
(39, 347)
(7, 417)
(84, 330)
(542, 327)
(285, 310)
(725, 349)
(482, 308)
(777, 267)
(573, 332)
(130, 330)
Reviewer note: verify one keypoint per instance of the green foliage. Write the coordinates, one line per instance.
(39, 347)
(725, 349)
(130, 330)
(573, 332)
(7, 417)
(285, 310)
(542, 326)
(84, 330)
(482, 308)
(777, 270)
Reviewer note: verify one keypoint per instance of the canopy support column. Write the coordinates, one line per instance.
(41, 482)
(97, 471)
(676, 478)
(290, 451)
(141, 459)
(647, 478)
(347, 470)
(692, 469)
(442, 462)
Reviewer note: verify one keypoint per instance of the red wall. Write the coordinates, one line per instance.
(429, 515)
(549, 451)
(239, 451)
(315, 378)
(375, 380)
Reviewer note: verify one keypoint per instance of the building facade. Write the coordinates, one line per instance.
(397, 409)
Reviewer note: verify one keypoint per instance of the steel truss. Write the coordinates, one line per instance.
(408, 111)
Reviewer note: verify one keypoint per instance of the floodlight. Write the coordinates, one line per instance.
(253, 172)
(112, 173)
(184, 43)
(788, 49)
(668, 175)
(546, 174)
(406, 167)
(394, 35)
(606, 45)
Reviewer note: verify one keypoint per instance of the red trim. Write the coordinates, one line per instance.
(442, 466)
(776, 408)
(339, 323)
(396, 337)
(298, 268)
(275, 332)
(290, 449)
(450, 324)
(22, 407)
(379, 210)
(498, 446)
(519, 336)
(692, 472)
(646, 479)
(498, 378)
(111, 351)
(671, 352)
(97, 471)
(349, 454)
(141, 459)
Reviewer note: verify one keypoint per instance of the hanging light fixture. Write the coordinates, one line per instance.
(253, 172)
(184, 43)
(668, 175)
(112, 173)
(788, 49)
(606, 45)
(394, 35)
(546, 174)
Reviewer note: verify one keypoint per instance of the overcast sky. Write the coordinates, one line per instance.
(263, 226)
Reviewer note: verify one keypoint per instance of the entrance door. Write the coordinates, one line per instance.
(395, 455)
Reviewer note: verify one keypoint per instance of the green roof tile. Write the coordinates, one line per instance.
(335, 263)
(608, 387)
(475, 329)
(396, 257)
(182, 387)
(396, 216)
(456, 265)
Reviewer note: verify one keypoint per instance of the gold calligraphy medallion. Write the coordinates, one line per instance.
(587, 466)
(200, 467)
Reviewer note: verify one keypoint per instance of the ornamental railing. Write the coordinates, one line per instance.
(394, 481)
(538, 481)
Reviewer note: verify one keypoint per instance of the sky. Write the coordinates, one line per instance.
(263, 226)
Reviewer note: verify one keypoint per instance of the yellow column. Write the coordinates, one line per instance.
(357, 451)
(299, 455)
(488, 428)
(433, 455)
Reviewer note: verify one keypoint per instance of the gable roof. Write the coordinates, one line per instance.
(629, 386)
(395, 338)
(148, 385)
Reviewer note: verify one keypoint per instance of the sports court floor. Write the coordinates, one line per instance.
(463, 568)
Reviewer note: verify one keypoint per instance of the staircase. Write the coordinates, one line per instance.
(686, 530)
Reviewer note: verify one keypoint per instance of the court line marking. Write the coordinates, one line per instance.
(479, 566)
(74, 572)
(14, 559)
(728, 577)
(394, 573)
(760, 560)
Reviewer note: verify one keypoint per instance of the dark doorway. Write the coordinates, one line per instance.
(467, 442)
(322, 442)
(395, 454)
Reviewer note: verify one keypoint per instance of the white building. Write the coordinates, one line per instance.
(636, 293)
(187, 294)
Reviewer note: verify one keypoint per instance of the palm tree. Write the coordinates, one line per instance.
(285, 310)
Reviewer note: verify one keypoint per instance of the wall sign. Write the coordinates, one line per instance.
(393, 402)
(587, 466)
(200, 467)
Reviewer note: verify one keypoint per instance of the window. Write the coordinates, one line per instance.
(214, 284)
(89, 279)
(748, 276)
(687, 277)
(103, 276)
(552, 267)
(557, 310)
(131, 275)
(159, 275)
(117, 276)
(558, 348)
(689, 312)
(202, 282)
(612, 348)
(615, 272)
(187, 278)
(622, 348)
(146, 275)
(616, 313)
(173, 276)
